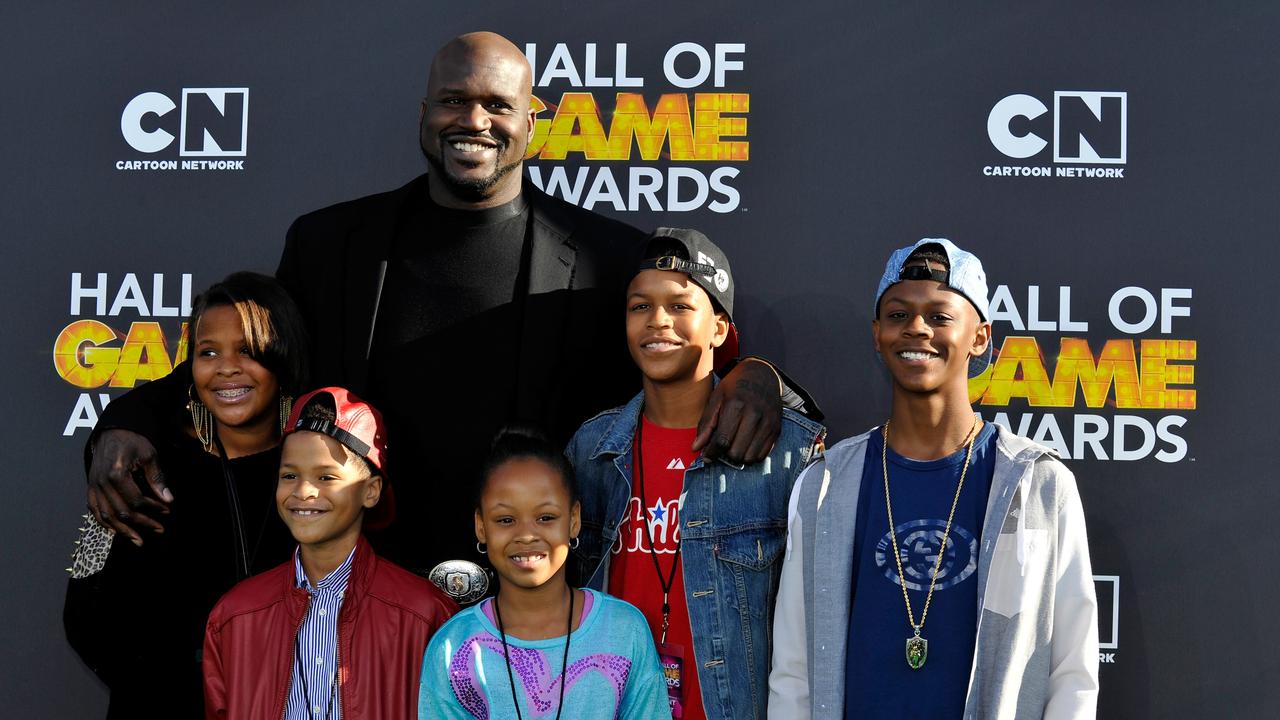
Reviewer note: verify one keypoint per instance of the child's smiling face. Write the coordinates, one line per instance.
(527, 518)
(323, 489)
(673, 328)
(239, 391)
(926, 333)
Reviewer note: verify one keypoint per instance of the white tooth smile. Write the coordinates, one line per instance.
(307, 513)
(659, 346)
(467, 147)
(527, 559)
(231, 393)
(912, 355)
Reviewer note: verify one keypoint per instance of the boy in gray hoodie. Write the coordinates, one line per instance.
(935, 517)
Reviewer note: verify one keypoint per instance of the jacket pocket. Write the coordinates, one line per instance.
(756, 549)
(1015, 587)
(748, 564)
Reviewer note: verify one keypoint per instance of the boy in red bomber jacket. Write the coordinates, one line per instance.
(338, 632)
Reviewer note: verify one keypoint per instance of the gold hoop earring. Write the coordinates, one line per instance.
(201, 419)
(286, 410)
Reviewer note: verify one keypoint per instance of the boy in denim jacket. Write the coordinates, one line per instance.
(695, 544)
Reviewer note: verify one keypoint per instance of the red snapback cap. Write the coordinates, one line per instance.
(360, 427)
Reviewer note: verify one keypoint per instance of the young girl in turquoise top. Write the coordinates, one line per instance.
(540, 649)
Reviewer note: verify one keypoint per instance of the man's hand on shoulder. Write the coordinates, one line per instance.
(743, 418)
(114, 496)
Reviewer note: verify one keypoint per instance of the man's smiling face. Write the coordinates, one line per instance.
(476, 122)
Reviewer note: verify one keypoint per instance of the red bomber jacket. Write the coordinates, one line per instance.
(388, 615)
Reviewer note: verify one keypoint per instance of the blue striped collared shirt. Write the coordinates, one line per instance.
(317, 649)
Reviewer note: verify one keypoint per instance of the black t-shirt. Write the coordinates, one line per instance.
(449, 267)
(451, 315)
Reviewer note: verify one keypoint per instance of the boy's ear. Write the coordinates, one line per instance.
(875, 334)
(372, 491)
(722, 330)
(575, 519)
(479, 527)
(981, 338)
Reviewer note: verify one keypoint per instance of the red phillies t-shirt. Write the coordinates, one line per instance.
(664, 455)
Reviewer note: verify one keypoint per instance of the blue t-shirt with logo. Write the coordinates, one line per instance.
(878, 682)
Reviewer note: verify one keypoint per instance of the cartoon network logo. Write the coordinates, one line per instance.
(1087, 128)
(209, 123)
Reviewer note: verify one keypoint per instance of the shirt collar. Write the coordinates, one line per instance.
(334, 581)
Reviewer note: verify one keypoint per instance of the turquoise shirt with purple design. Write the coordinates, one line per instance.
(613, 669)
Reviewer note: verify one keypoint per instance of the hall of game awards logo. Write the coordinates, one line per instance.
(1115, 382)
(1087, 132)
(202, 123)
(650, 128)
(121, 330)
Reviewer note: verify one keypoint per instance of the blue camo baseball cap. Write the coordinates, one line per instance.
(965, 275)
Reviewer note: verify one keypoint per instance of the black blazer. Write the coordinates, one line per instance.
(573, 360)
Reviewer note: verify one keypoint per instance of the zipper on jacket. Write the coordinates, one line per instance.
(337, 664)
(284, 699)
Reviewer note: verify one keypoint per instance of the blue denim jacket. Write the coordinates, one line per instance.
(733, 533)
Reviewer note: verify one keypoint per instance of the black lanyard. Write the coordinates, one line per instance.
(506, 654)
(669, 580)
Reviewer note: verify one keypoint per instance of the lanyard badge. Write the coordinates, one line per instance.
(672, 659)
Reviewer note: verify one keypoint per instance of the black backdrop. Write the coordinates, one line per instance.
(867, 126)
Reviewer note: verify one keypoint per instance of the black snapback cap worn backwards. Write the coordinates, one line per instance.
(703, 262)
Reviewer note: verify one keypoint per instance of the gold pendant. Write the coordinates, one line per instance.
(917, 652)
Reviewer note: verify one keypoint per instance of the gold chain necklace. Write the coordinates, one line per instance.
(918, 647)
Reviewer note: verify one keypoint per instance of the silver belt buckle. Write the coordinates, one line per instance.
(462, 580)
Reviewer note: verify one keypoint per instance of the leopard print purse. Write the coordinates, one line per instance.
(92, 548)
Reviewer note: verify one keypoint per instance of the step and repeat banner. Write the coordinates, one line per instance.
(1115, 167)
